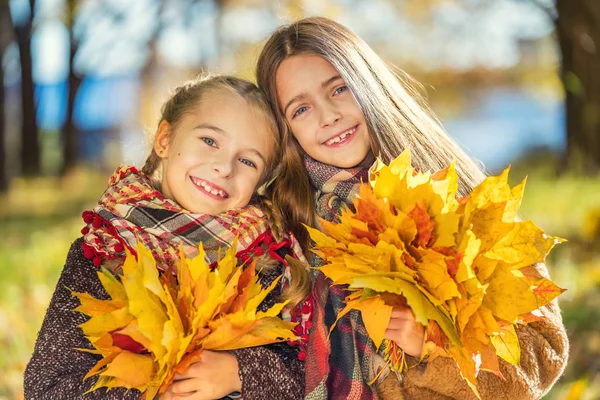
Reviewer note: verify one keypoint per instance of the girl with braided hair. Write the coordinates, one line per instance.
(206, 181)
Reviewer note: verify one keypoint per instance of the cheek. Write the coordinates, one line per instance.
(302, 132)
(351, 108)
(247, 186)
(187, 159)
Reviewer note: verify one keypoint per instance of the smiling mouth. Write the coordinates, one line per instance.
(342, 137)
(210, 189)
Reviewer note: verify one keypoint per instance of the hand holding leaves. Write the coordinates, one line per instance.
(154, 327)
(465, 267)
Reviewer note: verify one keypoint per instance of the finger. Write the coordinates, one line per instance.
(398, 323)
(191, 371)
(165, 396)
(186, 396)
(192, 396)
(402, 313)
(393, 336)
(184, 386)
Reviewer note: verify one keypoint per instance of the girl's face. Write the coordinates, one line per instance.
(321, 111)
(216, 156)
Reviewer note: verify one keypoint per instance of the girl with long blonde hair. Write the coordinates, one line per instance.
(339, 105)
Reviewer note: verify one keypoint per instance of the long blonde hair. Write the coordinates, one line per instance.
(190, 95)
(395, 112)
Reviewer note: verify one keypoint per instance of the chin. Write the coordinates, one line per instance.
(204, 209)
(348, 162)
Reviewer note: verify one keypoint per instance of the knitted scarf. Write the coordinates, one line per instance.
(340, 366)
(132, 210)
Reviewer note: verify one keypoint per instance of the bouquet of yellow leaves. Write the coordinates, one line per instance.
(155, 326)
(465, 267)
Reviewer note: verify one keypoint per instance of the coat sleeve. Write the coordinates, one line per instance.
(271, 372)
(56, 369)
(544, 355)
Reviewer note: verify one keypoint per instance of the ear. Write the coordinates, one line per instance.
(162, 139)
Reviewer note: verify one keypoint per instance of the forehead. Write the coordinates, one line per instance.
(245, 123)
(302, 73)
(230, 108)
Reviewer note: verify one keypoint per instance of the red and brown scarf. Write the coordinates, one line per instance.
(132, 210)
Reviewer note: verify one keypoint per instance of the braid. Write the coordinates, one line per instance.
(300, 284)
(273, 217)
(152, 163)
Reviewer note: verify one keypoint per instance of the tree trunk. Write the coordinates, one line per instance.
(578, 31)
(70, 140)
(5, 38)
(70, 134)
(3, 172)
(30, 147)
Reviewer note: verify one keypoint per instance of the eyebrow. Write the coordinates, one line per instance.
(301, 96)
(205, 125)
(214, 128)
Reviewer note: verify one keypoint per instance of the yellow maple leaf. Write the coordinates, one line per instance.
(506, 344)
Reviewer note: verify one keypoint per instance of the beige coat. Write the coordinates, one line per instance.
(544, 355)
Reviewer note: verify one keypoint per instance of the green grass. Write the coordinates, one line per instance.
(41, 217)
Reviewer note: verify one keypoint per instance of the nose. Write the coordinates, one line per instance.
(223, 168)
(329, 114)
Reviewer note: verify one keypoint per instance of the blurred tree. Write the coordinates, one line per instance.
(82, 32)
(578, 32)
(577, 29)
(150, 69)
(157, 30)
(69, 131)
(5, 39)
(30, 147)
(220, 5)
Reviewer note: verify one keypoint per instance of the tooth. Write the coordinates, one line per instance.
(337, 139)
(221, 193)
(214, 191)
(208, 188)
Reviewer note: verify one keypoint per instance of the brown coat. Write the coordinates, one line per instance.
(544, 355)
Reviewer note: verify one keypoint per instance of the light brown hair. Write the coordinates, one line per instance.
(185, 99)
(396, 114)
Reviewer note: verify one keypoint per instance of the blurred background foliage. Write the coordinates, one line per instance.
(514, 81)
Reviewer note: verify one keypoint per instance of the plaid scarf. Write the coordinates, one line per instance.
(340, 366)
(132, 210)
(335, 186)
